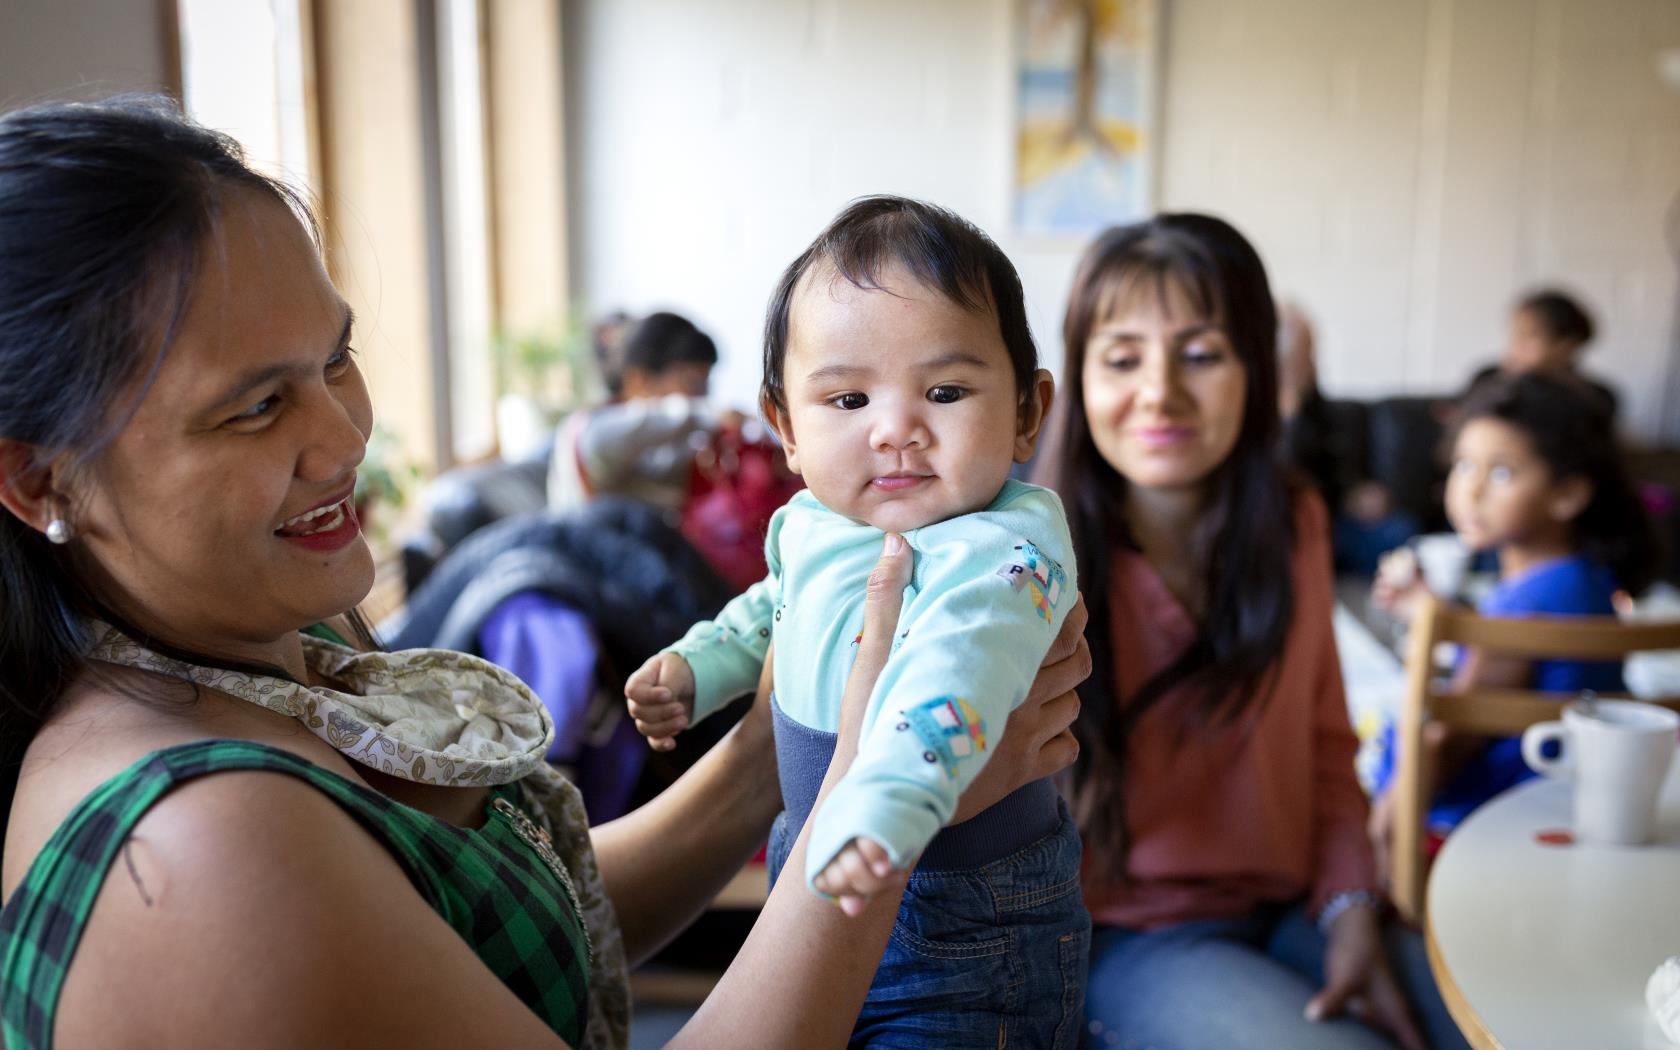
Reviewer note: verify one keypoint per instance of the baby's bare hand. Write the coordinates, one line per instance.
(855, 875)
(661, 699)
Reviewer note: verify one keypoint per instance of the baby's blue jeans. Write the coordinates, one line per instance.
(983, 957)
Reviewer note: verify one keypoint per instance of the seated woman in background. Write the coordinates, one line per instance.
(640, 444)
(220, 831)
(1536, 478)
(1549, 330)
(1234, 894)
(1365, 520)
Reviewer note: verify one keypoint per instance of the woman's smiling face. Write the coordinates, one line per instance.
(1164, 389)
(220, 516)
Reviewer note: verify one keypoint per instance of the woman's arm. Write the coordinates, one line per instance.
(663, 863)
(803, 954)
(614, 437)
(249, 909)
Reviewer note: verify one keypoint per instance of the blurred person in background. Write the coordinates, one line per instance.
(1366, 521)
(1549, 330)
(641, 443)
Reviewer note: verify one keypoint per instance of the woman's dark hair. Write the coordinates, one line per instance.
(1568, 428)
(1565, 319)
(606, 339)
(1246, 533)
(942, 250)
(661, 340)
(104, 211)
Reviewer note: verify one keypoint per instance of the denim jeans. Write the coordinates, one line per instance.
(992, 956)
(1239, 983)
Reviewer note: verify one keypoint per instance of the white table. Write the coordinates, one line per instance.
(1539, 946)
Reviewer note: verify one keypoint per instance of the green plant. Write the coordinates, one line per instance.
(554, 369)
(385, 477)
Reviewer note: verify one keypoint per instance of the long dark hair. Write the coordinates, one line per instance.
(1569, 429)
(1246, 532)
(104, 211)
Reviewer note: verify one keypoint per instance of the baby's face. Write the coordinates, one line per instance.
(902, 408)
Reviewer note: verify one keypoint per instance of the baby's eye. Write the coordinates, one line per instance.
(850, 402)
(946, 394)
(1500, 475)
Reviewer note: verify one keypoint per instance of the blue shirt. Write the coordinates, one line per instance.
(1568, 586)
(987, 596)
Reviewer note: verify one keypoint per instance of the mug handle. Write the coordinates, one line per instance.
(1534, 738)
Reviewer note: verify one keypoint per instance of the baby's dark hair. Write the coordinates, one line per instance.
(1573, 434)
(942, 250)
(1564, 318)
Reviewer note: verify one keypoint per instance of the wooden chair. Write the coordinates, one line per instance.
(1486, 712)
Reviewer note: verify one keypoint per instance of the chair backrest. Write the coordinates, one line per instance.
(1486, 712)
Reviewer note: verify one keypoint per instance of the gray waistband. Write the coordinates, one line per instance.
(1022, 817)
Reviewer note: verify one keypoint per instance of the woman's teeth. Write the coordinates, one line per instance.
(333, 513)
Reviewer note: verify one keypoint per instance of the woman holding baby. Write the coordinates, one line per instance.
(222, 829)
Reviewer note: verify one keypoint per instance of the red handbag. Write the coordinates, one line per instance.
(738, 480)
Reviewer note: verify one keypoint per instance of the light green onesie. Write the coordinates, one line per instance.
(988, 595)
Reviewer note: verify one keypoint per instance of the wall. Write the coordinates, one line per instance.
(1405, 168)
(52, 49)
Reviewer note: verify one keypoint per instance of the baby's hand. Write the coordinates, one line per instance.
(661, 696)
(856, 874)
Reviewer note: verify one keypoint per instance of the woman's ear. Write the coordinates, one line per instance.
(1570, 496)
(777, 419)
(1035, 409)
(27, 488)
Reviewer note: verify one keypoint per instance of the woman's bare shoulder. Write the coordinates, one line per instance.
(249, 907)
(109, 720)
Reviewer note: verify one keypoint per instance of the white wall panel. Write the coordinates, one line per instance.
(1406, 168)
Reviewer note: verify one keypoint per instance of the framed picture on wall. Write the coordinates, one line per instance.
(1085, 114)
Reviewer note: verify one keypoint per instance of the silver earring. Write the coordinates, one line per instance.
(58, 531)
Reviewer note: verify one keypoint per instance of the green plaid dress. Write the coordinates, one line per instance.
(496, 886)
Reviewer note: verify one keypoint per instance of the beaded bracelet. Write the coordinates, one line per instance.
(1341, 902)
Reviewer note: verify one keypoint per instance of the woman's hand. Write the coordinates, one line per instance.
(1379, 827)
(866, 874)
(1357, 979)
(1037, 742)
(881, 606)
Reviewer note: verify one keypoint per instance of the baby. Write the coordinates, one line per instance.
(902, 380)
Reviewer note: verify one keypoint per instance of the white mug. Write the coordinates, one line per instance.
(1617, 752)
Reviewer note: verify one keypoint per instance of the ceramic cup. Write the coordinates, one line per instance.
(1617, 752)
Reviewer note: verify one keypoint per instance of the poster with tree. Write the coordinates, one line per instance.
(1085, 104)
